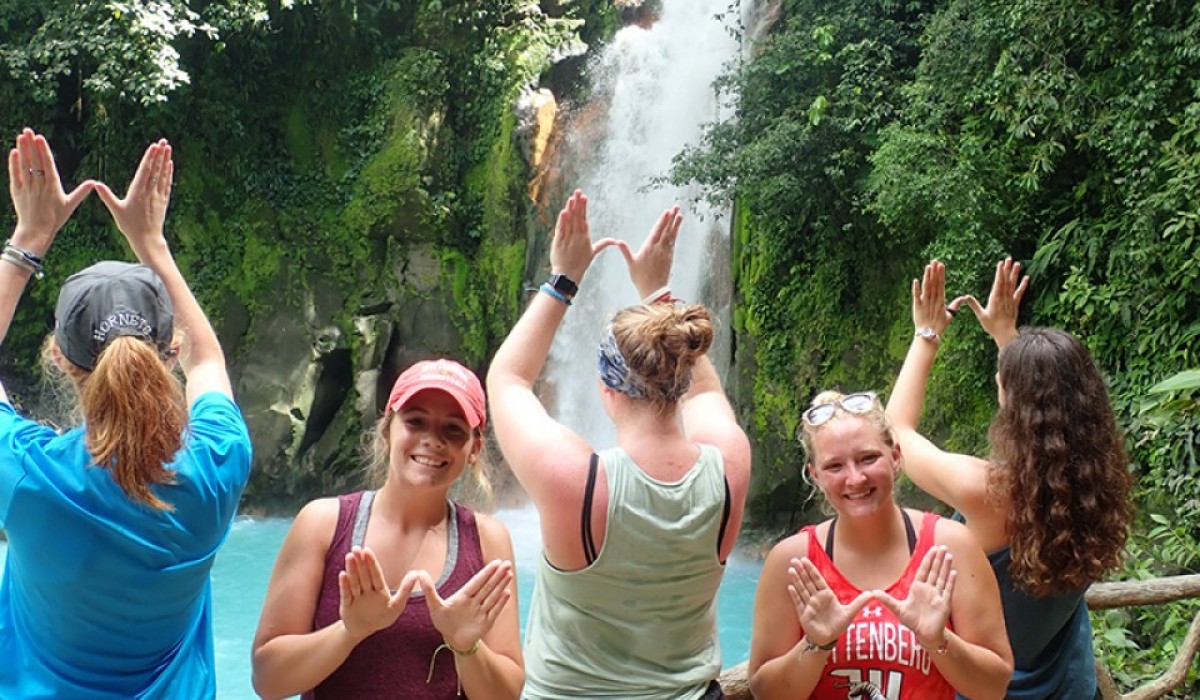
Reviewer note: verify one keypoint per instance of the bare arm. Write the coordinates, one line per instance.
(289, 657)
(978, 661)
(548, 458)
(956, 479)
(140, 216)
(496, 671)
(42, 207)
(792, 607)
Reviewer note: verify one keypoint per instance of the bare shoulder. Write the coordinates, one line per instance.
(957, 537)
(950, 531)
(494, 538)
(491, 527)
(316, 521)
(781, 555)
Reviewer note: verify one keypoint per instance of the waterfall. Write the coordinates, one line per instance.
(654, 85)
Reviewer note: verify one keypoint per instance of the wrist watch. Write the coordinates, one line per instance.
(564, 285)
(928, 334)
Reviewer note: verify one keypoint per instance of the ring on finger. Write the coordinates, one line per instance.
(37, 172)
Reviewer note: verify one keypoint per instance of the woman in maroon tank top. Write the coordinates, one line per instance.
(331, 625)
(880, 598)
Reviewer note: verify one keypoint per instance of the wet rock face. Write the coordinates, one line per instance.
(311, 387)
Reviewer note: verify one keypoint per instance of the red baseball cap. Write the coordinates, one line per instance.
(443, 375)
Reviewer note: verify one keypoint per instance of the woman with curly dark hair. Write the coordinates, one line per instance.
(1051, 504)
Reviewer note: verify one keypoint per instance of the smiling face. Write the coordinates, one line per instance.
(430, 441)
(853, 465)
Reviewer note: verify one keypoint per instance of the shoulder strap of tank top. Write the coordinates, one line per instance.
(909, 532)
(585, 525)
(829, 538)
(359, 534)
(724, 517)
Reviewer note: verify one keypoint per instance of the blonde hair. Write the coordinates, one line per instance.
(134, 413)
(661, 343)
(874, 415)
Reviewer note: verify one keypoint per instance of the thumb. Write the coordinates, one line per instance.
(110, 200)
(626, 251)
(421, 578)
(77, 195)
(400, 597)
(606, 243)
(857, 604)
(887, 601)
(971, 302)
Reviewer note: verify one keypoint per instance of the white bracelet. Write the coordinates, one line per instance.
(660, 294)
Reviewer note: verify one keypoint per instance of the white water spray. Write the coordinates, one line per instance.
(657, 83)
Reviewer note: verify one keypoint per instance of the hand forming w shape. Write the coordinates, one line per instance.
(823, 617)
(367, 604)
(469, 614)
(927, 608)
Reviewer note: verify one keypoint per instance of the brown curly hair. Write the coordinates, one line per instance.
(1059, 456)
(661, 344)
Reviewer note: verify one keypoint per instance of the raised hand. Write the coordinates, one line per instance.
(38, 197)
(650, 267)
(367, 604)
(929, 308)
(467, 615)
(999, 319)
(927, 608)
(572, 249)
(821, 614)
(141, 213)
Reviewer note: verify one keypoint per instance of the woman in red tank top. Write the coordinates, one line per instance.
(332, 627)
(880, 599)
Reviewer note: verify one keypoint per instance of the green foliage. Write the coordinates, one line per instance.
(316, 145)
(122, 49)
(818, 272)
(870, 137)
(1139, 643)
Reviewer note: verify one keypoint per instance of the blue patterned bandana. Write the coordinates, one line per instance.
(614, 371)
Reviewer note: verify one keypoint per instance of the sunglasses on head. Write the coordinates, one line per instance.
(851, 403)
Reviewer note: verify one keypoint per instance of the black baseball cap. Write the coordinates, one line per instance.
(108, 300)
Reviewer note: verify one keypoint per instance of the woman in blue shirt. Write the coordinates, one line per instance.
(113, 526)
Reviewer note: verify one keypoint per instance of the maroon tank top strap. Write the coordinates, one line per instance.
(339, 545)
(466, 553)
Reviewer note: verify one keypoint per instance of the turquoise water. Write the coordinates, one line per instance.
(243, 568)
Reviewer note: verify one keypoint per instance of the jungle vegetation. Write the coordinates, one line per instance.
(868, 137)
(871, 136)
